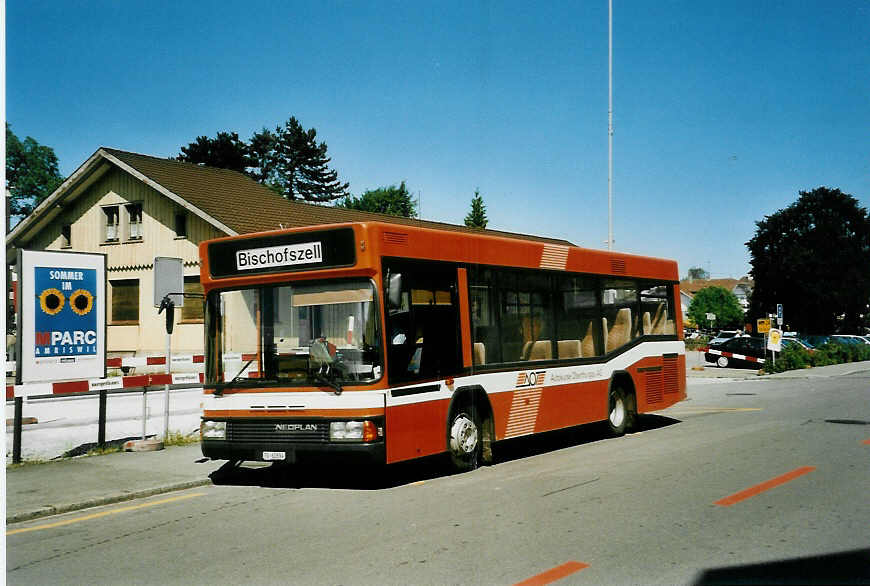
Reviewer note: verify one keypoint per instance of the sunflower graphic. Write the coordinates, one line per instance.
(81, 301)
(51, 301)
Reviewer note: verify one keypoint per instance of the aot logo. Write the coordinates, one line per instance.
(66, 324)
(531, 379)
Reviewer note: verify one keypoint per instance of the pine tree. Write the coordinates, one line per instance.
(301, 167)
(476, 218)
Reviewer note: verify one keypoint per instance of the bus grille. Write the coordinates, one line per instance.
(257, 432)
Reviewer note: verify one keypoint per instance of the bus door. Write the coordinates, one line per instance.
(422, 309)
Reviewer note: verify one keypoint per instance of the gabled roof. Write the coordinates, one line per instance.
(232, 202)
(695, 285)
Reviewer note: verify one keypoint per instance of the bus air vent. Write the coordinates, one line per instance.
(399, 238)
(617, 265)
(654, 386)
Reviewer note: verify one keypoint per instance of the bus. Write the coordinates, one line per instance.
(386, 342)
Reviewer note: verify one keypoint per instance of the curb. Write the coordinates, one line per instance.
(50, 510)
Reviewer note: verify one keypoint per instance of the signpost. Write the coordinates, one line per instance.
(168, 293)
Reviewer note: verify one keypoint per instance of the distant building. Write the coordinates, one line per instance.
(742, 288)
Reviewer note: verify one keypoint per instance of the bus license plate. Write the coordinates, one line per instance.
(273, 456)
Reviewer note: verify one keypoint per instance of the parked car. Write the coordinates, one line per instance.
(724, 335)
(815, 340)
(787, 342)
(848, 339)
(743, 351)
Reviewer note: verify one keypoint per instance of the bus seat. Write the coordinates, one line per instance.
(619, 333)
(541, 350)
(670, 327)
(587, 346)
(647, 323)
(527, 350)
(569, 348)
(478, 352)
(658, 322)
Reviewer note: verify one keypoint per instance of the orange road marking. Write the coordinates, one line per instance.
(554, 574)
(866, 442)
(102, 514)
(764, 486)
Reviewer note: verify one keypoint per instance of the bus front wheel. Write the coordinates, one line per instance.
(465, 439)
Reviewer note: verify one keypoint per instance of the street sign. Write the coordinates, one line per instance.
(168, 278)
(711, 316)
(763, 325)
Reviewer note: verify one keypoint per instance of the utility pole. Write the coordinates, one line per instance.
(609, 124)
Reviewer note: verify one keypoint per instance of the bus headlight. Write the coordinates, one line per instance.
(213, 429)
(353, 431)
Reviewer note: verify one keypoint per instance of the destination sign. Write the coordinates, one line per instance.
(282, 252)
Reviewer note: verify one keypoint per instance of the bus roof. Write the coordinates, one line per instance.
(383, 239)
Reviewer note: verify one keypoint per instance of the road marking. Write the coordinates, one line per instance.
(866, 442)
(764, 486)
(103, 514)
(553, 574)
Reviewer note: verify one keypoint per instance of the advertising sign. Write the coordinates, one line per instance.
(61, 316)
(774, 340)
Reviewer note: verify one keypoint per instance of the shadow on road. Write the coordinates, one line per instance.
(850, 567)
(354, 476)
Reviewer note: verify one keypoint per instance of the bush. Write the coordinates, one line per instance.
(794, 358)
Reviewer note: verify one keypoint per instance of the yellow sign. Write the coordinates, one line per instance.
(763, 325)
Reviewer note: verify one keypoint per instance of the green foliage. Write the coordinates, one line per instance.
(697, 273)
(31, 173)
(225, 151)
(791, 358)
(476, 218)
(392, 200)
(795, 357)
(720, 301)
(289, 161)
(812, 257)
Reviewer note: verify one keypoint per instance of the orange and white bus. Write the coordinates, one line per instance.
(393, 342)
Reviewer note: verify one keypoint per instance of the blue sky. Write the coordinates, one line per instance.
(723, 111)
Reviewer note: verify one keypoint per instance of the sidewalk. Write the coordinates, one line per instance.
(39, 490)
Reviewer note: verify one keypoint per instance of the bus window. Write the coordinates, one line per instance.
(620, 313)
(578, 318)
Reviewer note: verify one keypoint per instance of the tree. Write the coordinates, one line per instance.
(226, 151)
(476, 218)
(31, 173)
(697, 273)
(720, 301)
(812, 257)
(298, 166)
(288, 160)
(392, 200)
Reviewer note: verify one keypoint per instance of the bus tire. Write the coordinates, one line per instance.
(465, 438)
(722, 362)
(617, 411)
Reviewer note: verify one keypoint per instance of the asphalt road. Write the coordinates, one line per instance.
(744, 480)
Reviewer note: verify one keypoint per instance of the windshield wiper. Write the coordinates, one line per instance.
(331, 383)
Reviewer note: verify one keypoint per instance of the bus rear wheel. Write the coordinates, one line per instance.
(464, 442)
(618, 411)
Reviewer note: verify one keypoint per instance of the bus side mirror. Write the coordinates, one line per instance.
(394, 290)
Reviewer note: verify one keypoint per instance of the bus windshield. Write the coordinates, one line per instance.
(321, 334)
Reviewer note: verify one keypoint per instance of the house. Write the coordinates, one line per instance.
(134, 207)
(741, 288)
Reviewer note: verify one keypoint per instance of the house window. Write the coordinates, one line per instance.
(134, 218)
(125, 301)
(66, 236)
(192, 310)
(181, 225)
(111, 222)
